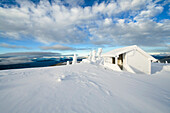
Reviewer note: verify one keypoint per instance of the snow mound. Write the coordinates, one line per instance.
(85, 61)
(166, 68)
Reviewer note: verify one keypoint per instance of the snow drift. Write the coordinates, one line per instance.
(83, 88)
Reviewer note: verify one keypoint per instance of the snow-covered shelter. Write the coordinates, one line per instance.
(131, 58)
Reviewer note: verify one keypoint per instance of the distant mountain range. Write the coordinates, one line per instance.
(38, 62)
(162, 58)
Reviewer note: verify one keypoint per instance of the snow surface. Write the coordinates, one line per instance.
(84, 88)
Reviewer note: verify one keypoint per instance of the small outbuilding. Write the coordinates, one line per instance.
(132, 59)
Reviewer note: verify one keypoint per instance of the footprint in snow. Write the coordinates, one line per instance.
(60, 78)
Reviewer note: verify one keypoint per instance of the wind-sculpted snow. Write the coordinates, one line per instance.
(83, 88)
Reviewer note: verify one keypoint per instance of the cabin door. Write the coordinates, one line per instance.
(113, 60)
(120, 61)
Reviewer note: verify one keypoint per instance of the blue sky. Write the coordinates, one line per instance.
(78, 26)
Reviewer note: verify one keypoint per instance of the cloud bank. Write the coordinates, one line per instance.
(24, 57)
(5, 45)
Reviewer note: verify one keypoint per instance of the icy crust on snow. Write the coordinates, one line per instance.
(83, 88)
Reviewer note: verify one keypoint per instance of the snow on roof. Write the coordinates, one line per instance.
(119, 51)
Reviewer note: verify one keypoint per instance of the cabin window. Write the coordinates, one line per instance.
(113, 60)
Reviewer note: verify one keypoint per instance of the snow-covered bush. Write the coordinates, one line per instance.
(90, 56)
(99, 53)
(94, 56)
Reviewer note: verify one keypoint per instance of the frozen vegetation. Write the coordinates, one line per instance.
(84, 88)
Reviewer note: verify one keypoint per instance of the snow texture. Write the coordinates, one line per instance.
(84, 88)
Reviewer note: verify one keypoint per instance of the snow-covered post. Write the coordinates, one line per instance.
(99, 53)
(116, 57)
(68, 63)
(94, 56)
(74, 59)
(90, 56)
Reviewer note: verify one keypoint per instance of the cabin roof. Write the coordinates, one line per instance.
(119, 51)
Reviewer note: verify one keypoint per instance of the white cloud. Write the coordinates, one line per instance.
(71, 3)
(107, 21)
(103, 22)
(151, 12)
(133, 4)
(12, 35)
(55, 22)
(147, 33)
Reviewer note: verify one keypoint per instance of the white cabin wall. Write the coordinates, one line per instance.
(108, 60)
(138, 61)
(108, 64)
(112, 66)
(125, 65)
